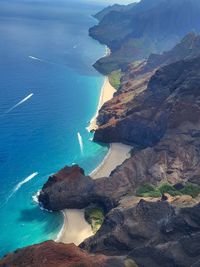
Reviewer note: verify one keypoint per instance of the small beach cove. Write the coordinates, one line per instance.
(75, 228)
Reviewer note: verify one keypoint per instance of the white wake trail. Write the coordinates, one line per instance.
(80, 140)
(35, 58)
(19, 185)
(19, 103)
(26, 180)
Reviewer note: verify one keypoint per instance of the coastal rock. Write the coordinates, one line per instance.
(175, 159)
(171, 99)
(51, 254)
(152, 233)
(69, 188)
(160, 120)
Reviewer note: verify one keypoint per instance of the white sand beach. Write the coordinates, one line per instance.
(117, 154)
(107, 93)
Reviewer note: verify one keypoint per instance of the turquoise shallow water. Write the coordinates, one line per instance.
(46, 54)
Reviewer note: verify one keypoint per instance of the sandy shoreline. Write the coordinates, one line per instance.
(75, 229)
(117, 154)
(107, 92)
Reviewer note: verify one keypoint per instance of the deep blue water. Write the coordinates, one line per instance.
(40, 134)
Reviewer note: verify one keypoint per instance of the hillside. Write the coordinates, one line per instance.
(147, 27)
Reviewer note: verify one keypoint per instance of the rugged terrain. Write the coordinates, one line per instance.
(152, 200)
(157, 110)
(148, 104)
(144, 28)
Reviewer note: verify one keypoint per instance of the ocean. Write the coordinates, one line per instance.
(49, 91)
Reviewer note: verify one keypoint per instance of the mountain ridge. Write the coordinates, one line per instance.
(148, 27)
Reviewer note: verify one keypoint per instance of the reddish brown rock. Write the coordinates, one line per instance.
(67, 189)
(51, 254)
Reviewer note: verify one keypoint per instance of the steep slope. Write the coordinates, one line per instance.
(148, 27)
(188, 48)
(141, 114)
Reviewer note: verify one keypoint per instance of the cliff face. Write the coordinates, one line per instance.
(51, 254)
(142, 115)
(147, 27)
(153, 233)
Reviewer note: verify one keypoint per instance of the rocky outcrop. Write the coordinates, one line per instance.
(67, 189)
(174, 159)
(70, 188)
(153, 233)
(51, 254)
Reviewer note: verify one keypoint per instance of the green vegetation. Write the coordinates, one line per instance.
(191, 190)
(168, 188)
(148, 190)
(115, 78)
(94, 215)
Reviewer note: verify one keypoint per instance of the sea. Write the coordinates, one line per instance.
(49, 91)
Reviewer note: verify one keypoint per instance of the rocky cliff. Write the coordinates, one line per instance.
(143, 114)
(152, 233)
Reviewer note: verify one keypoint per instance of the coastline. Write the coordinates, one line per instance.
(74, 220)
(107, 93)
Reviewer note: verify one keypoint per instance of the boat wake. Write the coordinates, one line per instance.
(27, 179)
(35, 58)
(18, 104)
(43, 61)
(19, 185)
(80, 140)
